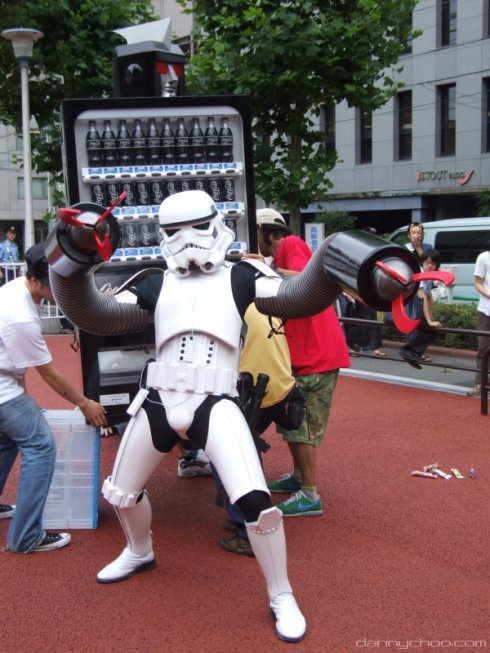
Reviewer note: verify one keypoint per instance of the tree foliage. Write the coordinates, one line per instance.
(336, 221)
(73, 59)
(483, 203)
(291, 57)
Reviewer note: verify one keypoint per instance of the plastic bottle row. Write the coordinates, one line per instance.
(141, 237)
(146, 232)
(159, 144)
(153, 192)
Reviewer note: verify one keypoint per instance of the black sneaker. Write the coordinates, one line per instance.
(411, 358)
(53, 541)
(236, 544)
(6, 510)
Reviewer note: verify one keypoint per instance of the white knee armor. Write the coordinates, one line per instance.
(117, 497)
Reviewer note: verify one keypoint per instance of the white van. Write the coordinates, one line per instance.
(459, 242)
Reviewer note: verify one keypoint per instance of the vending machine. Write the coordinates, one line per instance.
(150, 148)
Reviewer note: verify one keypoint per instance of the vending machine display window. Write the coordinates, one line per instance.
(150, 148)
(145, 149)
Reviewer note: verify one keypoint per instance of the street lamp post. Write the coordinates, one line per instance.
(23, 43)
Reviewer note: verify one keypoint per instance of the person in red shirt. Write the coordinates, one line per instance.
(318, 350)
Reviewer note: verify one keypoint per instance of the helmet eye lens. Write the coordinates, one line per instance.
(171, 232)
(203, 226)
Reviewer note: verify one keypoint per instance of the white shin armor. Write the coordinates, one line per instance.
(268, 542)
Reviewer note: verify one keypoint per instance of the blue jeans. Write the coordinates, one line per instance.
(234, 512)
(24, 430)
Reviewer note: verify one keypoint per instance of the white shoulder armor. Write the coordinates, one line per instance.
(263, 268)
(268, 282)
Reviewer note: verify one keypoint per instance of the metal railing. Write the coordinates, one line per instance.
(485, 386)
(11, 271)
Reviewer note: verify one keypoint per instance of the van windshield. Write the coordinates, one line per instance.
(461, 246)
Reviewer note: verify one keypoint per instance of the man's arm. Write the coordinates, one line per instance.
(427, 308)
(480, 287)
(93, 411)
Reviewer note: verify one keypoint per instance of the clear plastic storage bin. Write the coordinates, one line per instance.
(73, 497)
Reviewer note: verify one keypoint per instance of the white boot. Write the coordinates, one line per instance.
(269, 545)
(138, 554)
(290, 623)
(127, 564)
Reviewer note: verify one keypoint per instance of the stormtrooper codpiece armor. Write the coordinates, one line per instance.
(190, 389)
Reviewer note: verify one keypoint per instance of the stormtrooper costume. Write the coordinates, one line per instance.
(190, 388)
(190, 391)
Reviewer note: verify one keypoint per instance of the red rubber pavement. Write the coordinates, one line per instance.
(396, 563)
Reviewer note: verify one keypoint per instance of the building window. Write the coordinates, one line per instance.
(403, 141)
(328, 115)
(407, 46)
(447, 22)
(447, 119)
(39, 188)
(365, 136)
(486, 19)
(486, 114)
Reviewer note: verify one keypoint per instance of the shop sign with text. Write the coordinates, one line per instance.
(460, 177)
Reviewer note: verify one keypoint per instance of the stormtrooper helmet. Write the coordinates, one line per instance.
(194, 233)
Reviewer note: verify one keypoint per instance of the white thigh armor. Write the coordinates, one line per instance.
(135, 462)
(231, 449)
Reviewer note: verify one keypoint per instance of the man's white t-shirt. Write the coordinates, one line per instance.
(482, 270)
(22, 344)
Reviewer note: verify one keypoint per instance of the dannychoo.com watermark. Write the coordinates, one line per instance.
(431, 644)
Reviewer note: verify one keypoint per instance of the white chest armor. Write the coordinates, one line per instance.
(197, 331)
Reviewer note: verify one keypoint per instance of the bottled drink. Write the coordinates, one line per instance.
(231, 224)
(200, 184)
(185, 184)
(182, 142)
(129, 234)
(211, 141)
(97, 194)
(196, 142)
(128, 187)
(93, 145)
(138, 143)
(214, 190)
(109, 152)
(145, 235)
(153, 144)
(225, 141)
(123, 144)
(142, 193)
(156, 191)
(112, 192)
(228, 189)
(170, 187)
(168, 143)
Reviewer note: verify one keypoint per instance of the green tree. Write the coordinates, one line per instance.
(291, 57)
(336, 221)
(483, 203)
(73, 60)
